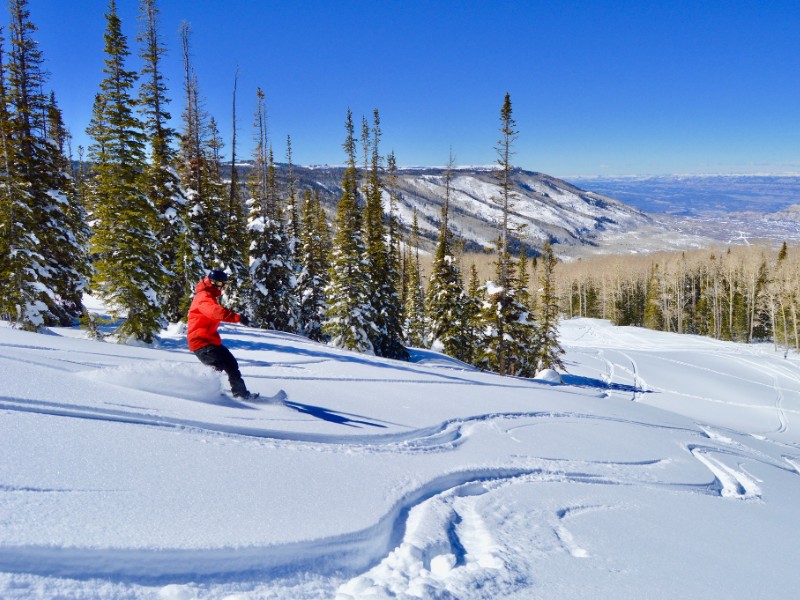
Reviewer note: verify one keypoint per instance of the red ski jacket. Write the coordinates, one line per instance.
(205, 315)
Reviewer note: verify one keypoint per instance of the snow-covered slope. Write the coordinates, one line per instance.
(542, 207)
(666, 467)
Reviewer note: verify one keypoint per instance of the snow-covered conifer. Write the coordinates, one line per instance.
(446, 295)
(388, 330)
(314, 263)
(198, 167)
(161, 182)
(43, 255)
(349, 319)
(416, 324)
(547, 349)
(129, 269)
(272, 272)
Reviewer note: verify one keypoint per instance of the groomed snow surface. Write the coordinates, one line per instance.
(664, 466)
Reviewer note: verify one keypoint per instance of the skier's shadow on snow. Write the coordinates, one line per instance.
(330, 416)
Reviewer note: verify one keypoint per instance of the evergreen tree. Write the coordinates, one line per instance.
(234, 245)
(161, 182)
(547, 349)
(446, 296)
(471, 311)
(314, 261)
(292, 213)
(350, 321)
(508, 329)
(40, 226)
(394, 235)
(388, 330)
(128, 267)
(272, 268)
(508, 326)
(198, 168)
(10, 269)
(653, 317)
(69, 255)
(416, 325)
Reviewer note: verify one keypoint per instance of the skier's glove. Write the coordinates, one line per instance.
(244, 320)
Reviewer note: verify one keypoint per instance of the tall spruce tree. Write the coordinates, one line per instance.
(506, 322)
(129, 269)
(508, 326)
(314, 263)
(161, 182)
(271, 263)
(446, 295)
(394, 234)
(416, 324)
(547, 349)
(69, 255)
(471, 311)
(9, 294)
(294, 224)
(198, 167)
(42, 278)
(388, 330)
(349, 319)
(235, 244)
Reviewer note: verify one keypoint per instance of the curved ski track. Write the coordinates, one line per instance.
(361, 551)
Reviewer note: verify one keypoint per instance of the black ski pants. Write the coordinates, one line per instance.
(221, 359)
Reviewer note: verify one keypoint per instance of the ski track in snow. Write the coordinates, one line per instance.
(393, 554)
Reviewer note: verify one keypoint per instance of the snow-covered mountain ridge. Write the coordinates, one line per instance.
(543, 207)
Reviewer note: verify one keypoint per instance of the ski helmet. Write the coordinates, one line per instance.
(218, 276)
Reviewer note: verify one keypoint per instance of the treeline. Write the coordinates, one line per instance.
(742, 293)
(146, 213)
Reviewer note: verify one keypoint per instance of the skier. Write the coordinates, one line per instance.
(205, 315)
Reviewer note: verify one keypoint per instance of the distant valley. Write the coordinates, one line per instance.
(693, 195)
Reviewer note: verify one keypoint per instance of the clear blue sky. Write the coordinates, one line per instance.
(604, 87)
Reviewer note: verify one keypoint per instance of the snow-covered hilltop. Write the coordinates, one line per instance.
(667, 466)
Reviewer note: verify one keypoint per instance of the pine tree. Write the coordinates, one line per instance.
(350, 321)
(292, 213)
(388, 330)
(161, 182)
(233, 248)
(471, 311)
(71, 233)
(10, 297)
(547, 349)
(199, 172)
(39, 222)
(128, 265)
(271, 265)
(314, 265)
(446, 296)
(394, 234)
(24, 297)
(416, 325)
(508, 327)
(653, 317)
